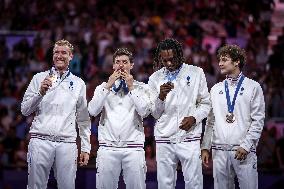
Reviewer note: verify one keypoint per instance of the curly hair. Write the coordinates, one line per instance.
(64, 42)
(235, 52)
(168, 44)
(123, 51)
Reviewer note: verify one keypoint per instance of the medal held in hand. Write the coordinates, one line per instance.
(230, 117)
(52, 76)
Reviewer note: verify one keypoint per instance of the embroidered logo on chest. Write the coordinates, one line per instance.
(71, 85)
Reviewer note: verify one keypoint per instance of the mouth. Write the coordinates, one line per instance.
(170, 67)
(60, 60)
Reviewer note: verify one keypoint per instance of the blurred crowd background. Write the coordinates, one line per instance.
(96, 28)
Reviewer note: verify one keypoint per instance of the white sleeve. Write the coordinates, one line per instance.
(208, 133)
(203, 100)
(157, 105)
(141, 100)
(257, 106)
(83, 121)
(97, 103)
(32, 98)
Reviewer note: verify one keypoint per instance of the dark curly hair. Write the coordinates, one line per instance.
(123, 51)
(168, 44)
(234, 52)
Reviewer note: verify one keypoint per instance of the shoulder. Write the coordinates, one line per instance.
(77, 79)
(40, 75)
(139, 85)
(252, 83)
(192, 68)
(157, 74)
(217, 86)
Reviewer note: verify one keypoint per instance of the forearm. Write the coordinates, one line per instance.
(85, 133)
(30, 103)
(141, 102)
(97, 103)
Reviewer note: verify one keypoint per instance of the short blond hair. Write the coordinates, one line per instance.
(63, 42)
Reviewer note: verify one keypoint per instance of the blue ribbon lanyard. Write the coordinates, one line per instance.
(230, 105)
(171, 76)
(121, 85)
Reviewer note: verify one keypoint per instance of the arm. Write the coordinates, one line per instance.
(141, 100)
(203, 100)
(31, 99)
(208, 133)
(207, 139)
(97, 103)
(83, 121)
(157, 105)
(257, 106)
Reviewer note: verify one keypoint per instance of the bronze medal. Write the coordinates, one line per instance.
(230, 118)
(53, 78)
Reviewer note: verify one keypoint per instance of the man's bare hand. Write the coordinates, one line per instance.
(187, 123)
(84, 158)
(205, 157)
(114, 76)
(241, 154)
(165, 89)
(45, 85)
(128, 79)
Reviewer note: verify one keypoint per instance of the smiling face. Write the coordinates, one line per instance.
(167, 59)
(62, 56)
(122, 63)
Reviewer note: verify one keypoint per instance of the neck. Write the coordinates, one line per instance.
(234, 74)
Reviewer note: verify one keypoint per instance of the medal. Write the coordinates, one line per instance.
(53, 78)
(230, 118)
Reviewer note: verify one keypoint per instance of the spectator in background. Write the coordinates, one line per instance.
(280, 153)
(266, 150)
(150, 158)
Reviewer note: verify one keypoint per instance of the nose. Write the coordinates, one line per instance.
(168, 63)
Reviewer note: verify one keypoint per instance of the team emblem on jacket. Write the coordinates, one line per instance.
(71, 85)
(188, 80)
(242, 91)
(221, 92)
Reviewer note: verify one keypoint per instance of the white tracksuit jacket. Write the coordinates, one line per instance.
(249, 112)
(57, 111)
(121, 115)
(189, 97)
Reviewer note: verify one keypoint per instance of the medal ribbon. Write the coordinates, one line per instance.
(53, 70)
(121, 85)
(230, 105)
(172, 75)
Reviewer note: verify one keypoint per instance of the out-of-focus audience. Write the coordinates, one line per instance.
(96, 27)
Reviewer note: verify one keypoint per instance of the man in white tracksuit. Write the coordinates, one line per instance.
(58, 99)
(123, 103)
(180, 101)
(234, 124)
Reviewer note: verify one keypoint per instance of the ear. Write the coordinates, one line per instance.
(70, 56)
(131, 65)
(236, 63)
